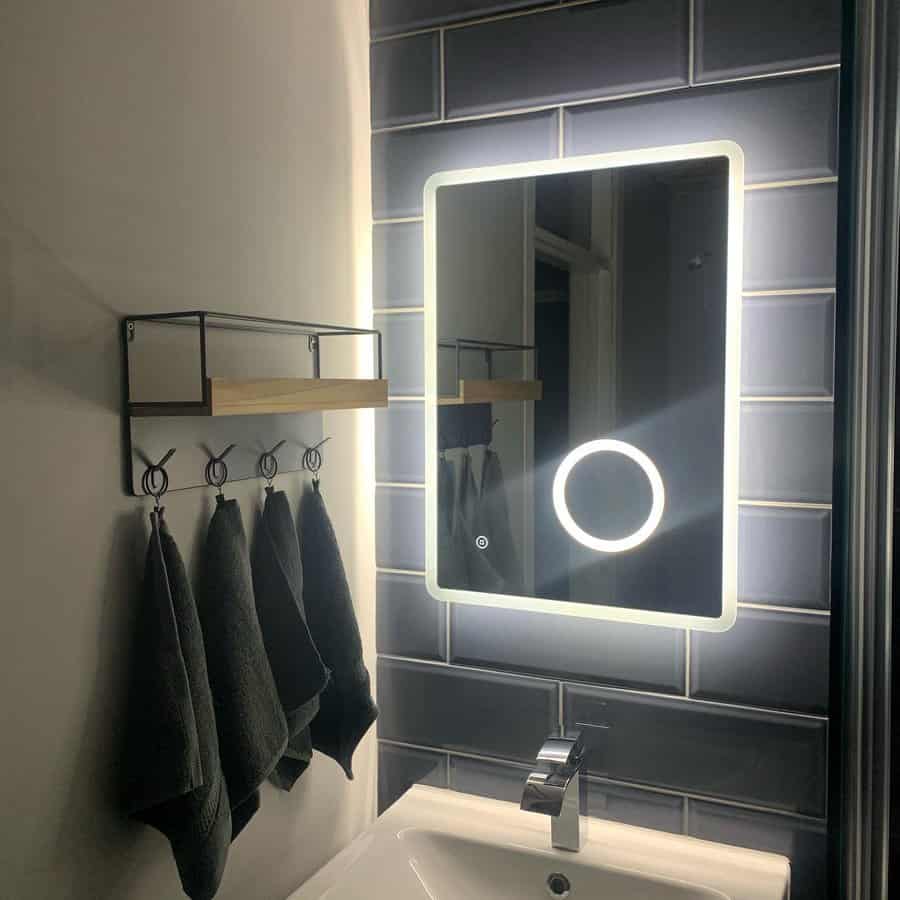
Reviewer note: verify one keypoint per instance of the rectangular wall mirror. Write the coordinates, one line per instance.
(582, 340)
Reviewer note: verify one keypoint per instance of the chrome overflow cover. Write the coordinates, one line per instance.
(558, 885)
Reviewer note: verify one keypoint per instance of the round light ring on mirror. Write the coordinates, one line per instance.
(657, 506)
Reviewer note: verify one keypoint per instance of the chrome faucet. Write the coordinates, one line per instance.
(554, 789)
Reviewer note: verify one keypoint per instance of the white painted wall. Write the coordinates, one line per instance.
(163, 155)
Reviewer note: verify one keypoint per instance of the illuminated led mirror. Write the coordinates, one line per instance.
(582, 339)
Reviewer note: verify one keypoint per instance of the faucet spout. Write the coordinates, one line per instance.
(554, 787)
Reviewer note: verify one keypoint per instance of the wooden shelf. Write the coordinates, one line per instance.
(493, 390)
(263, 396)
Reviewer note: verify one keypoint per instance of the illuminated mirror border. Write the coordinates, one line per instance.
(650, 156)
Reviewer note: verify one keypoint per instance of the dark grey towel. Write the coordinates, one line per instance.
(300, 675)
(173, 775)
(492, 520)
(452, 564)
(482, 576)
(251, 725)
(346, 707)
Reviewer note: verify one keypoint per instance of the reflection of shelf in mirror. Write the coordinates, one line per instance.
(493, 390)
(261, 396)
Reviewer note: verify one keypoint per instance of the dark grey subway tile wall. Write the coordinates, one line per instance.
(394, 16)
(768, 759)
(398, 258)
(399, 768)
(802, 841)
(409, 621)
(772, 659)
(790, 241)
(403, 345)
(406, 80)
(402, 161)
(616, 803)
(787, 345)
(457, 709)
(784, 556)
(400, 442)
(786, 451)
(566, 647)
(739, 39)
(499, 781)
(786, 126)
(567, 54)
(399, 528)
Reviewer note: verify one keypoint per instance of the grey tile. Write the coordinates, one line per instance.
(616, 653)
(406, 80)
(399, 768)
(790, 238)
(787, 345)
(409, 621)
(771, 659)
(784, 556)
(400, 528)
(615, 803)
(507, 716)
(499, 781)
(400, 442)
(738, 39)
(768, 759)
(393, 16)
(398, 258)
(568, 54)
(633, 806)
(804, 842)
(786, 451)
(403, 346)
(786, 126)
(402, 161)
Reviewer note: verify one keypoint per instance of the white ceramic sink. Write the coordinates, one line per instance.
(439, 845)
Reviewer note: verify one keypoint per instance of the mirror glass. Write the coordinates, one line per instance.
(582, 335)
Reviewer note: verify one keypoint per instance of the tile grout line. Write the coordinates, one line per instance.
(789, 292)
(776, 608)
(560, 715)
(691, 48)
(618, 689)
(481, 20)
(560, 135)
(447, 625)
(687, 662)
(387, 570)
(604, 779)
(685, 815)
(443, 73)
(786, 398)
(785, 504)
(790, 182)
(596, 100)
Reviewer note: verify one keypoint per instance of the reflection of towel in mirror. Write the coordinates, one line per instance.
(475, 540)
(346, 707)
(492, 521)
(296, 665)
(251, 725)
(452, 565)
(173, 775)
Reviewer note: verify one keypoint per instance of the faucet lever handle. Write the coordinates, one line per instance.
(562, 752)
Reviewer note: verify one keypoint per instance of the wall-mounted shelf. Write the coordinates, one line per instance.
(264, 396)
(493, 390)
(490, 389)
(253, 413)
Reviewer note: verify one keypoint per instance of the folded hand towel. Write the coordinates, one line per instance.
(251, 724)
(173, 775)
(299, 672)
(346, 707)
(452, 565)
(492, 520)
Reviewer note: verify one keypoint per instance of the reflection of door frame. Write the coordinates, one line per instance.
(591, 309)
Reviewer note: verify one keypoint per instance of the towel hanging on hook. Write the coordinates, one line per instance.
(268, 465)
(312, 461)
(217, 471)
(148, 479)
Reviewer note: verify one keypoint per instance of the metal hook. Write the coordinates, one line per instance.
(312, 459)
(268, 463)
(217, 471)
(148, 479)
